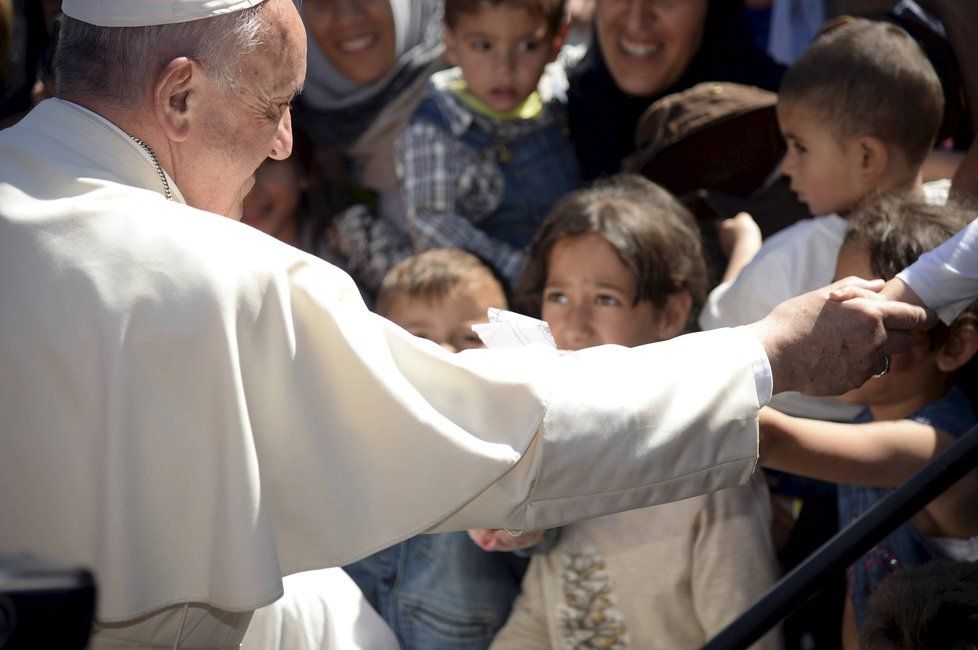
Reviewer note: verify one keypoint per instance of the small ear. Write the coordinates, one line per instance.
(558, 41)
(874, 157)
(674, 315)
(960, 347)
(173, 94)
(451, 45)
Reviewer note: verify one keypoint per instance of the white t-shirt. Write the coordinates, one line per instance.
(796, 260)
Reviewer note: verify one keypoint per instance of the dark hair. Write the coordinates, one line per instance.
(436, 274)
(930, 606)
(650, 231)
(870, 78)
(896, 230)
(6, 34)
(551, 10)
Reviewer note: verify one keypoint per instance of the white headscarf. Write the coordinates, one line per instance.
(351, 107)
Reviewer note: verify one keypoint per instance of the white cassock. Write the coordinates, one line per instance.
(193, 409)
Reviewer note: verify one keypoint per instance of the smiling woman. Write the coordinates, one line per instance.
(368, 64)
(647, 49)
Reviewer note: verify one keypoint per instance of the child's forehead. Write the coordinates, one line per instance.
(507, 17)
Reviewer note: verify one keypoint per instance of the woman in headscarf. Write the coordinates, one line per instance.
(645, 49)
(368, 65)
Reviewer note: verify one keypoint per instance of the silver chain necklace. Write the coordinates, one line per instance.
(157, 165)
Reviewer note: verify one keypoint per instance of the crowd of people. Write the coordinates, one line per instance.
(458, 156)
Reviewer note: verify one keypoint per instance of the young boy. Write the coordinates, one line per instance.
(910, 412)
(487, 154)
(440, 591)
(860, 111)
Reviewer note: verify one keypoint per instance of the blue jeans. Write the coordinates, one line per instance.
(440, 591)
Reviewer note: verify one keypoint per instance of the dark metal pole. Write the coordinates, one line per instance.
(851, 542)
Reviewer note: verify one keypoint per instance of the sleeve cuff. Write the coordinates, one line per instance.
(763, 376)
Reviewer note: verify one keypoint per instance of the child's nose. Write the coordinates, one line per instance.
(506, 61)
(578, 326)
(787, 164)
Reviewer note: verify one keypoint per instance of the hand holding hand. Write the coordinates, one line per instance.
(495, 539)
(819, 346)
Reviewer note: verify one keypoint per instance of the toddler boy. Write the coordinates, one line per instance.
(440, 591)
(860, 110)
(487, 152)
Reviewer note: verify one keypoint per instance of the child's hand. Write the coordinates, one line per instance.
(740, 239)
(496, 539)
(739, 233)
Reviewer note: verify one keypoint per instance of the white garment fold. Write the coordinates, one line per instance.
(193, 409)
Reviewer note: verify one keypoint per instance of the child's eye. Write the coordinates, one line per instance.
(555, 297)
(528, 46)
(799, 148)
(480, 46)
(607, 301)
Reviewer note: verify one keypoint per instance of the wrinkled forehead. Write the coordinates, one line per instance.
(282, 53)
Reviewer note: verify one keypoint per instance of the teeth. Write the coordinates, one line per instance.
(639, 49)
(356, 44)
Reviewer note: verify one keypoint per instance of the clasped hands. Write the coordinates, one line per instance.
(832, 340)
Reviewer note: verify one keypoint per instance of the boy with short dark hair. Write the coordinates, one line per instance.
(441, 590)
(911, 411)
(487, 152)
(859, 110)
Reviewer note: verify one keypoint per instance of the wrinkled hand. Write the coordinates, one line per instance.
(496, 539)
(820, 346)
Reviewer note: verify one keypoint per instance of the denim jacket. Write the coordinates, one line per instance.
(441, 591)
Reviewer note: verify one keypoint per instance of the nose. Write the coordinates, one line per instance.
(506, 60)
(282, 145)
(788, 163)
(574, 331)
(638, 14)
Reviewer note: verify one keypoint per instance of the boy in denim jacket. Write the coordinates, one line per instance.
(487, 151)
(441, 590)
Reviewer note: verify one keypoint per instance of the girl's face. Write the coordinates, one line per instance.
(648, 44)
(272, 203)
(357, 36)
(588, 296)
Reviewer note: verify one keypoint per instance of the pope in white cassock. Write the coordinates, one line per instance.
(193, 409)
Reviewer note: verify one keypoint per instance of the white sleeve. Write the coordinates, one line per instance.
(946, 278)
(632, 427)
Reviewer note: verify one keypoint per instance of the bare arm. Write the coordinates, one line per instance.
(740, 240)
(874, 454)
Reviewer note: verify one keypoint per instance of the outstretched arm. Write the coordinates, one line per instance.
(873, 454)
(819, 345)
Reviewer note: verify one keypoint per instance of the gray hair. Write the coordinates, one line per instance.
(119, 64)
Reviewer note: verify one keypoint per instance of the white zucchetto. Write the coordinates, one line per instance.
(142, 13)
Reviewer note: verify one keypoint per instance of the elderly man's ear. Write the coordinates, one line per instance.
(174, 96)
